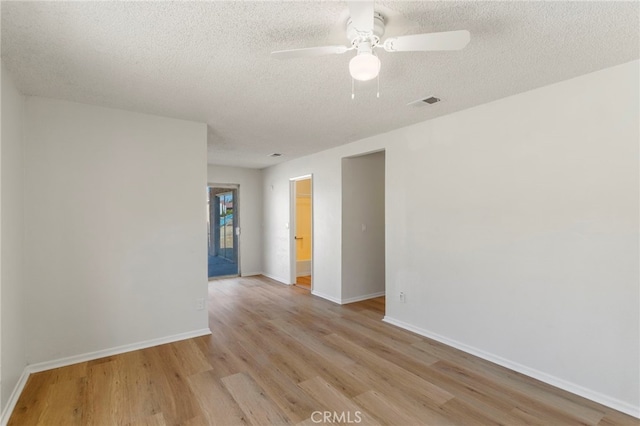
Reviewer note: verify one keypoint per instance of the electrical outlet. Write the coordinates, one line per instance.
(402, 297)
(200, 304)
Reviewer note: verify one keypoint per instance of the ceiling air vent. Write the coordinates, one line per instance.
(429, 100)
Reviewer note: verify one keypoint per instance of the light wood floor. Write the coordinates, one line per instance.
(304, 282)
(279, 354)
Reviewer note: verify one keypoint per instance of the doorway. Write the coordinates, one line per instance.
(302, 231)
(363, 228)
(223, 229)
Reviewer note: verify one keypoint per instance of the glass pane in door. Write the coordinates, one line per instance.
(225, 204)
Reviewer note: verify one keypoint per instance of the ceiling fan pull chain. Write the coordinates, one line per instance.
(378, 93)
(353, 91)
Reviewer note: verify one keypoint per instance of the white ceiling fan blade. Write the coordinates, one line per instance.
(361, 13)
(449, 40)
(309, 51)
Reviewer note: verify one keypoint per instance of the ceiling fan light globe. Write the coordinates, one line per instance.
(364, 66)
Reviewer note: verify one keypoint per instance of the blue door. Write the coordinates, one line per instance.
(223, 238)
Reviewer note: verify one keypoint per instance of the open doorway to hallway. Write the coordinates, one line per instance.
(363, 229)
(223, 229)
(302, 230)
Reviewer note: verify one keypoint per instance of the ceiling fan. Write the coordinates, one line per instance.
(365, 27)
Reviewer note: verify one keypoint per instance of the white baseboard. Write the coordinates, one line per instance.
(250, 274)
(90, 356)
(361, 298)
(275, 278)
(303, 268)
(614, 403)
(326, 296)
(349, 300)
(13, 398)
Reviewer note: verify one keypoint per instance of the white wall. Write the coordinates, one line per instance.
(517, 230)
(327, 220)
(250, 196)
(12, 344)
(116, 228)
(363, 227)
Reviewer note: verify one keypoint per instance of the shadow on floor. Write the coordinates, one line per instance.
(219, 267)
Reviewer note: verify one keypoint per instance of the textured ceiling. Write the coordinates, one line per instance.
(209, 62)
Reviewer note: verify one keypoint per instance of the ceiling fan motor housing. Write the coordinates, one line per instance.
(355, 37)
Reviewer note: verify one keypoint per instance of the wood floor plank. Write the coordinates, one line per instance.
(342, 408)
(462, 414)
(316, 364)
(395, 374)
(404, 392)
(280, 386)
(189, 357)
(216, 403)
(376, 305)
(304, 282)
(31, 402)
(527, 418)
(177, 400)
(277, 354)
(223, 361)
(253, 402)
(152, 420)
(510, 397)
(476, 399)
(71, 372)
(141, 391)
(540, 394)
(383, 409)
(512, 380)
(422, 411)
(103, 401)
(336, 356)
(618, 419)
(294, 404)
(64, 404)
(381, 328)
(383, 346)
